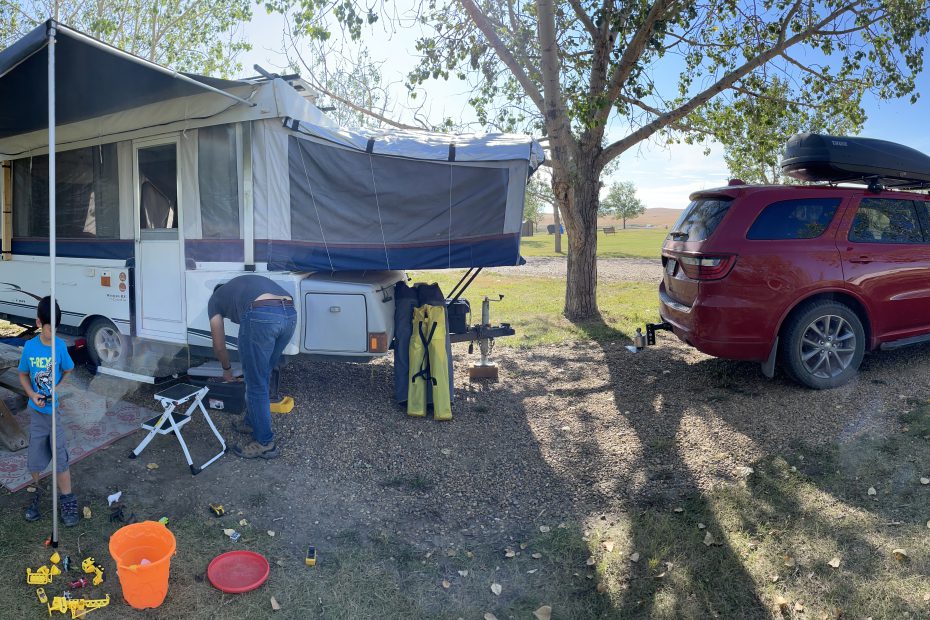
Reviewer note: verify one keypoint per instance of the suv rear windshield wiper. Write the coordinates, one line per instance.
(678, 235)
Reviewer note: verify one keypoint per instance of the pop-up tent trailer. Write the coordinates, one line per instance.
(130, 191)
(167, 181)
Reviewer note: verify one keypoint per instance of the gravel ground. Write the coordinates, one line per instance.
(575, 432)
(608, 269)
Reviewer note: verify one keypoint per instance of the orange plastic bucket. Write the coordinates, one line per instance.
(142, 552)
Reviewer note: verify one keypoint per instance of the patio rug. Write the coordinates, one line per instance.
(91, 421)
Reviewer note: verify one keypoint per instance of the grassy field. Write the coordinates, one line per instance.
(534, 307)
(630, 243)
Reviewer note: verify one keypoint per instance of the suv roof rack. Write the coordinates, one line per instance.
(876, 164)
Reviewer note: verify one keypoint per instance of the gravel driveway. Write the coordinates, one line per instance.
(570, 432)
(608, 269)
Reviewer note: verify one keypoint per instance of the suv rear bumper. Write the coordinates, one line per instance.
(705, 327)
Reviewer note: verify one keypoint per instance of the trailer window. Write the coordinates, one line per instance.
(218, 178)
(86, 194)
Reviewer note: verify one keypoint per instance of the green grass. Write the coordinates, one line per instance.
(630, 243)
(534, 307)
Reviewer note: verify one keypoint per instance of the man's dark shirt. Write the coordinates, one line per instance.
(233, 299)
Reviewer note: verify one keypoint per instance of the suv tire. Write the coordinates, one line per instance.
(823, 344)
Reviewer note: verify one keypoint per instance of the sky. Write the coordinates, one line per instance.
(664, 175)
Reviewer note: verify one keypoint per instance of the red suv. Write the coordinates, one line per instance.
(813, 275)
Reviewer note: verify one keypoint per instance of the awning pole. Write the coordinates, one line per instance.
(51, 261)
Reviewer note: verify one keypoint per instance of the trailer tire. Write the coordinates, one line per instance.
(106, 346)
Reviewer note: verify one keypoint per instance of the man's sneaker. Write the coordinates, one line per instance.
(255, 450)
(241, 426)
(69, 510)
(32, 511)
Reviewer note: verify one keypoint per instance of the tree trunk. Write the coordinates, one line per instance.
(557, 221)
(624, 222)
(581, 226)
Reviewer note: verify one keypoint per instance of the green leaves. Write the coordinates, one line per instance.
(189, 35)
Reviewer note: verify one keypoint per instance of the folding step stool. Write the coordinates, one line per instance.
(171, 422)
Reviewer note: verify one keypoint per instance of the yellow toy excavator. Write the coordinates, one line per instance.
(77, 606)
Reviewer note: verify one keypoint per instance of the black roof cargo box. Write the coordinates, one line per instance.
(838, 159)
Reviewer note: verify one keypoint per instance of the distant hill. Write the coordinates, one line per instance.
(659, 218)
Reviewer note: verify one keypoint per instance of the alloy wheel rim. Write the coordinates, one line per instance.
(108, 345)
(828, 346)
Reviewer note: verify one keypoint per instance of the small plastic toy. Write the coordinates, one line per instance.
(77, 606)
(91, 567)
(80, 583)
(40, 592)
(217, 510)
(311, 556)
(55, 559)
(67, 563)
(40, 577)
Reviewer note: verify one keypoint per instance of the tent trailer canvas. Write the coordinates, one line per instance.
(168, 185)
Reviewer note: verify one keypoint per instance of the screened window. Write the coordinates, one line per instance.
(880, 220)
(219, 182)
(794, 219)
(86, 194)
(700, 219)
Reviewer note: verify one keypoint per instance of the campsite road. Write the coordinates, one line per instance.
(608, 269)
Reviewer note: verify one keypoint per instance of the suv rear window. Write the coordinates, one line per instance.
(794, 219)
(700, 219)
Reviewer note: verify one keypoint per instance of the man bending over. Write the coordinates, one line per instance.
(266, 317)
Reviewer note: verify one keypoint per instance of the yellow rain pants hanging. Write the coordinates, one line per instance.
(429, 364)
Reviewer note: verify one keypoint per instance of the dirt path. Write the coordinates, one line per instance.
(608, 269)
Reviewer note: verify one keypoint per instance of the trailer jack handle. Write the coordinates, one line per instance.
(649, 339)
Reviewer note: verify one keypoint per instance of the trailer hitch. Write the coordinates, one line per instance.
(640, 341)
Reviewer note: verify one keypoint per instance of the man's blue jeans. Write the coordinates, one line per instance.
(263, 334)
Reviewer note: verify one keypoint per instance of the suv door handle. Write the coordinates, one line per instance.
(861, 259)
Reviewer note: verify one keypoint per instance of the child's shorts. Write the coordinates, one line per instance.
(40, 443)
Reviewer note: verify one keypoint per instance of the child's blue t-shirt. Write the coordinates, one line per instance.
(37, 361)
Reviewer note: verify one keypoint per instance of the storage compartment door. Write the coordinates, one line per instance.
(335, 323)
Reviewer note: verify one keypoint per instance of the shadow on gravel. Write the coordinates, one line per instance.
(714, 587)
(772, 530)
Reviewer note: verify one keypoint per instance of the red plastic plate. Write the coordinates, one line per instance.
(235, 572)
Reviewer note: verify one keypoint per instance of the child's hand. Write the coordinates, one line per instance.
(37, 399)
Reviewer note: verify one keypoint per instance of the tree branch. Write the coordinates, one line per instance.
(626, 64)
(722, 84)
(584, 18)
(554, 112)
(487, 29)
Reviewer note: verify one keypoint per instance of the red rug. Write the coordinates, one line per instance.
(91, 422)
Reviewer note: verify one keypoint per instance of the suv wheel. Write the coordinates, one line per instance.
(823, 344)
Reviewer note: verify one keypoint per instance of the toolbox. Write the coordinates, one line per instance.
(228, 396)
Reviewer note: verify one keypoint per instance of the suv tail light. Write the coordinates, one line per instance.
(707, 267)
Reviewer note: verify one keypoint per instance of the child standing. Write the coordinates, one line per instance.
(35, 376)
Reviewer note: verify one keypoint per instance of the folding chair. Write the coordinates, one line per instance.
(172, 421)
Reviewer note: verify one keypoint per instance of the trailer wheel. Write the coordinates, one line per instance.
(105, 344)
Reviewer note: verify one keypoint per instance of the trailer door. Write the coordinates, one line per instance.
(159, 276)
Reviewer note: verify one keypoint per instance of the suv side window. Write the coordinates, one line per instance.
(884, 220)
(794, 219)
